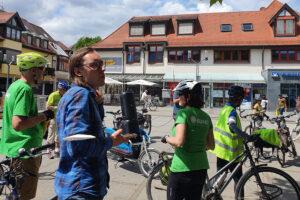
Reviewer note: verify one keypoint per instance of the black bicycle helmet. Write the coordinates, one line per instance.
(236, 91)
(188, 86)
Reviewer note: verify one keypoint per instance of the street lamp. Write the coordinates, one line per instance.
(8, 69)
(197, 77)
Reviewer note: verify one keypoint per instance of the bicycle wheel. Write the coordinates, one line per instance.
(1, 179)
(281, 155)
(275, 183)
(153, 106)
(156, 187)
(146, 162)
(292, 147)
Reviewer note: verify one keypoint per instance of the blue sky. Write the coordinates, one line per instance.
(68, 20)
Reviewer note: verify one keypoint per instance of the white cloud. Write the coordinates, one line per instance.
(68, 20)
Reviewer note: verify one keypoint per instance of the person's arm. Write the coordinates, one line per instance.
(210, 140)
(176, 100)
(233, 126)
(179, 138)
(285, 106)
(21, 122)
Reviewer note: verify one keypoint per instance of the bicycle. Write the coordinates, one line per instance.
(149, 103)
(296, 131)
(136, 149)
(8, 177)
(254, 118)
(259, 182)
(286, 142)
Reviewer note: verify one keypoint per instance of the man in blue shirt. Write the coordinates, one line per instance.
(83, 169)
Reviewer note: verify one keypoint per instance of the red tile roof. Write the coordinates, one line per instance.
(5, 16)
(63, 46)
(207, 30)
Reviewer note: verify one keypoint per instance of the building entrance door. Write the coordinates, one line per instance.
(290, 93)
(206, 96)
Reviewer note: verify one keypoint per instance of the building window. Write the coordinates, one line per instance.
(285, 24)
(156, 53)
(247, 27)
(14, 23)
(232, 56)
(183, 55)
(45, 44)
(185, 28)
(285, 55)
(158, 29)
(8, 32)
(29, 39)
(13, 33)
(225, 27)
(133, 54)
(38, 42)
(18, 35)
(136, 30)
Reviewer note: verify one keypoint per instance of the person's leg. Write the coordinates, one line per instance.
(173, 189)
(193, 189)
(28, 173)
(56, 150)
(281, 111)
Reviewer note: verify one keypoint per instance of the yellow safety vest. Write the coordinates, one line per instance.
(228, 145)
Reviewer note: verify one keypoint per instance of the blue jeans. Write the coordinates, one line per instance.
(83, 196)
(281, 110)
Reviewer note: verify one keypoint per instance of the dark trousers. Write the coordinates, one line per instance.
(221, 163)
(186, 185)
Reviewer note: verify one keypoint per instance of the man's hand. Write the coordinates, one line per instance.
(49, 114)
(117, 138)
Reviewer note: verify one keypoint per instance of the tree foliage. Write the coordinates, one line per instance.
(212, 2)
(86, 41)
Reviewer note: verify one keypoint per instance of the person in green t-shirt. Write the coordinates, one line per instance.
(52, 103)
(192, 135)
(21, 124)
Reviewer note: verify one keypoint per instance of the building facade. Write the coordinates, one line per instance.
(217, 49)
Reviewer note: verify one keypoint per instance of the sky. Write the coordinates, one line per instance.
(69, 20)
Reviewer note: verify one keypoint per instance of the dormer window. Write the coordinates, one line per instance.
(247, 27)
(225, 27)
(29, 39)
(284, 22)
(8, 32)
(158, 29)
(137, 30)
(45, 44)
(38, 42)
(186, 25)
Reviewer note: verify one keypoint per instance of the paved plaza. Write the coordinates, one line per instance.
(127, 183)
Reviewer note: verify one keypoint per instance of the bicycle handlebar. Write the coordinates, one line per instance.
(281, 118)
(114, 113)
(31, 153)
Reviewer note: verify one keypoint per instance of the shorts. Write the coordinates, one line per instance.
(27, 173)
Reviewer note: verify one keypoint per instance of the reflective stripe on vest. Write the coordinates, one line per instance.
(228, 144)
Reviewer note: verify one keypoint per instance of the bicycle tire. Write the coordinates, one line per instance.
(292, 145)
(1, 178)
(281, 156)
(146, 165)
(153, 106)
(156, 187)
(271, 178)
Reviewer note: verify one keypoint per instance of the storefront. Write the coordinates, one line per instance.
(285, 82)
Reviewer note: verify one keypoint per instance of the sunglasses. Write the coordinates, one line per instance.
(94, 65)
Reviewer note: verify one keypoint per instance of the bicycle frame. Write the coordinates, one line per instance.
(243, 156)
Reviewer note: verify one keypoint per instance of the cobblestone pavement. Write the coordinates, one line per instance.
(127, 183)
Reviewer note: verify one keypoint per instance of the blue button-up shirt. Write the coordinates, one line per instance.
(83, 164)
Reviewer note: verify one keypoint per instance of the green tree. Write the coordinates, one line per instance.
(212, 2)
(86, 41)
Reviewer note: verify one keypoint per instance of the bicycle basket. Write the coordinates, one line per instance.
(165, 171)
(268, 138)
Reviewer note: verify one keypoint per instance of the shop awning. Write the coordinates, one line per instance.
(216, 78)
(132, 77)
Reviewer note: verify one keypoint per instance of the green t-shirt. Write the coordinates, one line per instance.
(192, 155)
(53, 100)
(19, 101)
